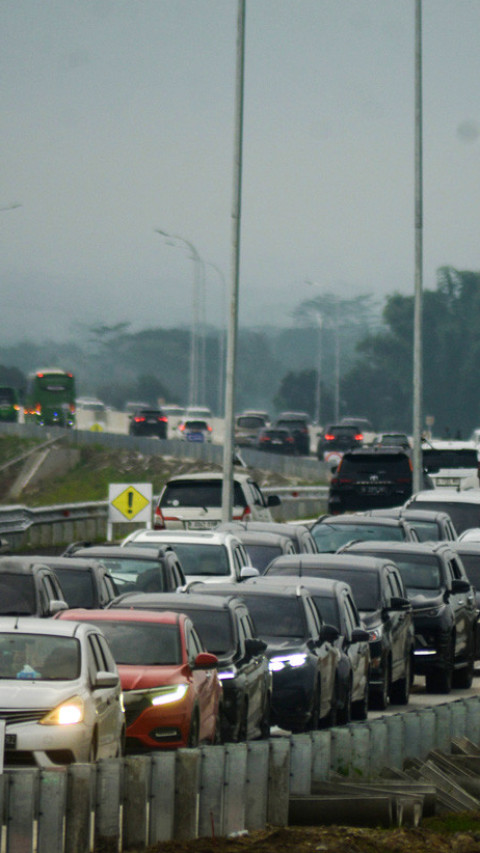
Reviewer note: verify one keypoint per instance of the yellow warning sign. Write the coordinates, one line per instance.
(130, 502)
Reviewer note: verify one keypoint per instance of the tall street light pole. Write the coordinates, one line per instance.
(221, 340)
(227, 490)
(417, 324)
(197, 282)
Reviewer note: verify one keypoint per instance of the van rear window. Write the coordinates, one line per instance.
(197, 494)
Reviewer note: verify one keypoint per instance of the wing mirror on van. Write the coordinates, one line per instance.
(273, 500)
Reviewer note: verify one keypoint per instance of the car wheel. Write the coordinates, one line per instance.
(265, 721)
(441, 680)
(381, 697)
(194, 733)
(464, 677)
(401, 688)
(360, 708)
(344, 715)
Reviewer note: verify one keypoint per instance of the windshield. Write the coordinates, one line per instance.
(418, 571)
(365, 585)
(329, 537)
(17, 595)
(262, 555)
(142, 643)
(200, 559)
(434, 459)
(427, 530)
(77, 587)
(199, 494)
(135, 573)
(213, 627)
(463, 515)
(275, 616)
(39, 657)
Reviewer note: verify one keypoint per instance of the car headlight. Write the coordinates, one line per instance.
(226, 674)
(166, 695)
(375, 634)
(67, 714)
(276, 664)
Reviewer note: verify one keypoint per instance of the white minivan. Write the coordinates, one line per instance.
(194, 502)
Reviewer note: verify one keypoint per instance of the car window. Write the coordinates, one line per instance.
(108, 659)
(199, 494)
(202, 559)
(262, 555)
(328, 608)
(420, 571)
(42, 657)
(384, 465)
(457, 570)
(313, 618)
(427, 530)
(434, 459)
(142, 643)
(365, 585)
(17, 595)
(77, 587)
(330, 536)
(144, 575)
(471, 564)
(213, 628)
(463, 515)
(276, 616)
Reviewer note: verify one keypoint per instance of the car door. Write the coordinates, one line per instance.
(358, 653)
(106, 699)
(204, 682)
(327, 657)
(465, 610)
(254, 668)
(399, 623)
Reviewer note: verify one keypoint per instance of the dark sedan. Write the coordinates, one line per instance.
(276, 440)
(300, 650)
(137, 569)
(335, 603)
(226, 630)
(149, 422)
(85, 583)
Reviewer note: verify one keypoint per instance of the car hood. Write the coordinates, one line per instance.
(283, 645)
(139, 677)
(425, 598)
(31, 694)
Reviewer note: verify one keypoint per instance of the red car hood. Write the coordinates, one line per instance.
(138, 677)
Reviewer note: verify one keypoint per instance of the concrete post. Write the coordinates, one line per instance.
(278, 782)
(321, 755)
(300, 764)
(257, 785)
(187, 783)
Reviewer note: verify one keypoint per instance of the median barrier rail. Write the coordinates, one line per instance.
(54, 526)
(117, 804)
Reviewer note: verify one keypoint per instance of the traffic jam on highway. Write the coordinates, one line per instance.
(192, 631)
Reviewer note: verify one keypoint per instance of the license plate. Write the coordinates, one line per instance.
(195, 436)
(201, 525)
(447, 481)
(10, 741)
(373, 490)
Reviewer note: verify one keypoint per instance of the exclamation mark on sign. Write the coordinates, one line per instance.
(130, 502)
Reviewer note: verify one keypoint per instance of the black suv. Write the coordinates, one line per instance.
(331, 532)
(385, 611)
(297, 423)
(226, 630)
(444, 609)
(337, 438)
(28, 587)
(148, 422)
(367, 478)
(137, 569)
(85, 583)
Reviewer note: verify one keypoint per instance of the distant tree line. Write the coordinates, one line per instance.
(365, 357)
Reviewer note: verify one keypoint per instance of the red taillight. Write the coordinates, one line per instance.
(163, 420)
(40, 375)
(158, 521)
(181, 427)
(359, 437)
(245, 515)
(138, 419)
(38, 409)
(209, 428)
(72, 408)
(328, 436)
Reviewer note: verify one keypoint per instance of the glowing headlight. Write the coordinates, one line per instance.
(165, 695)
(226, 674)
(278, 663)
(67, 714)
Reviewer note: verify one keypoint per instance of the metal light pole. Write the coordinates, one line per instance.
(197, 280)
(417, 324)
(221, 341)
(227, 490)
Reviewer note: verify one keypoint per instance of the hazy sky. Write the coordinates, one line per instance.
(118, 119)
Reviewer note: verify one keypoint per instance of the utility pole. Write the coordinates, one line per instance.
(417, 324)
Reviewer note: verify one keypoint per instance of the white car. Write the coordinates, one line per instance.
(451, 463)
(194, 501)
(208, 556)
(463, 506)
(60, 693)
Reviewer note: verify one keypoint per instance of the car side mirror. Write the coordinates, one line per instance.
(359, 635)
(329, 633)
(248, 572)
(254, 647)
(105, 679)
(56, 606)
(205, 660)
(459, 585)
(273, 500)
(399, 604)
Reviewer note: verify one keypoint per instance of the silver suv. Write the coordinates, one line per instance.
(194, 502)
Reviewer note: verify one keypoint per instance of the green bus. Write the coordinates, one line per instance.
(9, 407)
(50, 398)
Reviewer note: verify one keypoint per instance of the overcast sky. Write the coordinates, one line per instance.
(118, 118)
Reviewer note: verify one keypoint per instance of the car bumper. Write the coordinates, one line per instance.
(47, 746)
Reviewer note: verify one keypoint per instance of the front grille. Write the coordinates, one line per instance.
(16, 716)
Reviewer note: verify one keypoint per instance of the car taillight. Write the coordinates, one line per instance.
(72, 408)
(158, 521)
(403, 479)
(181, 427)
(245, 516)
(163, 420)
(359, 437)
(290, 439)
(328, 436)
(209, 427)
(139, 419)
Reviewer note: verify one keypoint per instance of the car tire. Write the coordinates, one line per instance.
(360, 708)
(194, 733)
(344, 714)
(381, 697)
(441, 680)
(401, 688)
(463, 678)
(265, 720)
